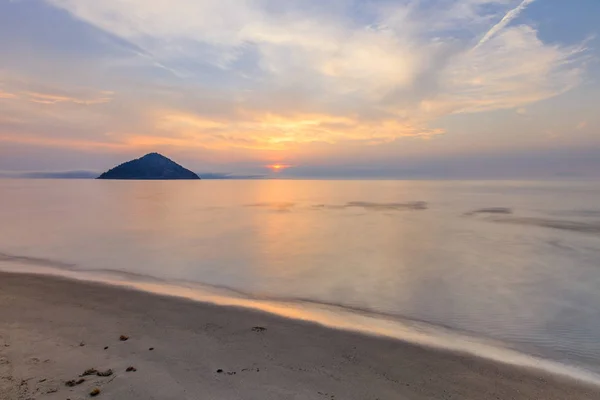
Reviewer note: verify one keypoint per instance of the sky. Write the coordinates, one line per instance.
(326, 89)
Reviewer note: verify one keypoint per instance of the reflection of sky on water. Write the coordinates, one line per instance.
(531, 286)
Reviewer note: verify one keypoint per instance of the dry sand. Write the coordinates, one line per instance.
(53, 329)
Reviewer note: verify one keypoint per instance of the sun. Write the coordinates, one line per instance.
(277, 167)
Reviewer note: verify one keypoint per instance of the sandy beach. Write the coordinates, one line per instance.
(54, 330)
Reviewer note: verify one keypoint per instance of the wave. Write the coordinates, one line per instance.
(36, 261)
(490, 210)
(330, 314)
(366, 205)
(574, 226)
(504, 215)
(145, 278)
(578, 213)
(414, 205)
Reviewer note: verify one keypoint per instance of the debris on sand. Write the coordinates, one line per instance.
(105, 347)
(74, 382)
(108, 372)
(259, 329)
(90, 371)
(123, 338)
(151, 348)
(81, 344)
(131, 369)
(95, 392)
(219, 371)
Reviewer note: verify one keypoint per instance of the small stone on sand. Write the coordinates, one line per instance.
(219, 371)
(259, 329)
(90, 371)
(95, 392)
(72, 383)
(123, 338)
(81, 344)
(108, 372)
(151, 348)
(105, 347)
(131, 369)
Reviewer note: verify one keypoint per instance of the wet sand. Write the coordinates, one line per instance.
(52, 330)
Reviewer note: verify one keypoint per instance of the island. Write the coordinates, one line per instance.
(152, 166)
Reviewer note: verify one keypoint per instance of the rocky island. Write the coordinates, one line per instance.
(152, 166)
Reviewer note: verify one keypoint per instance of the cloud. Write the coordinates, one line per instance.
(45, 141)
(48, 98)
(33, 90)
(266, 76)
(502, 74)
(505, 21)
(268, 131)
(6, 95)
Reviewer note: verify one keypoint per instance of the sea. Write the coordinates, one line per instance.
(507, 270)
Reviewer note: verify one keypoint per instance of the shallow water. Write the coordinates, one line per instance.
(516, 264)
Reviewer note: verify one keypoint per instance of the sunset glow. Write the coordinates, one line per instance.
(429, 165)
(379, 87)
(277, 167)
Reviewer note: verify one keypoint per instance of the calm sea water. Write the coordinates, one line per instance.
(513, 263)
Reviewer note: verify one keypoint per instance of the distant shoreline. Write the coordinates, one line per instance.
(290, 359)
(227, 177)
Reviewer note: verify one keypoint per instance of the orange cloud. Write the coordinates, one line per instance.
(46, 98)
(269, 131)
(6, 95)
(59, 142)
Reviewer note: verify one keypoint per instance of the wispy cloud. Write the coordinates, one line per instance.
(6, 95)
(42, 91)
(47, 98)
(45, 141)
(507, 19)
(258, 77)
(275, 131)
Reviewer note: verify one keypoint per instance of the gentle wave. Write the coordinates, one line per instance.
(592, 227)
(490, 210)
(35, 261)
(332, 315)
(366, 205)
(132, 276)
